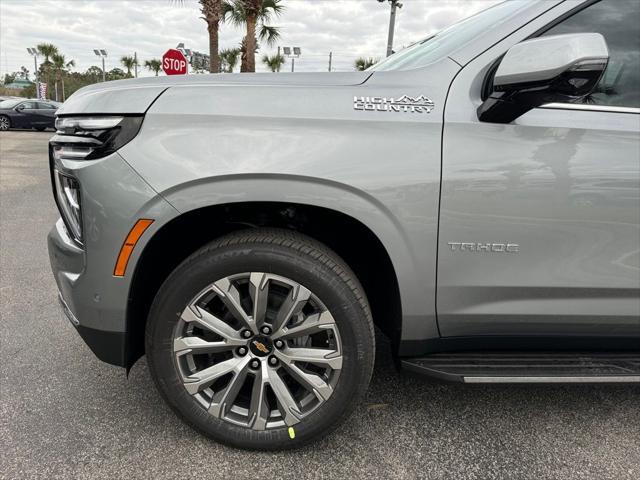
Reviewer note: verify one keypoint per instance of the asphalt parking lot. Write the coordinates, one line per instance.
(64, 414)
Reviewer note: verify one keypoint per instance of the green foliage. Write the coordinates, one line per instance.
(274, 62)
(154, 65)
(235, 11)
(363, 63)
(9, 78)
(257, 13)
(229, 59)
(129, 63)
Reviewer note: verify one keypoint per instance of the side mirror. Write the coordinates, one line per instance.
(559, 68)
(19, 108)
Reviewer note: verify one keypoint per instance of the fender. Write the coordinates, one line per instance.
(416, 289)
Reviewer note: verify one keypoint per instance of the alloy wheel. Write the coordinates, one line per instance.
(258, 350)
(4, 123)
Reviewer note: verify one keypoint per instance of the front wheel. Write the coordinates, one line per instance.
(262, 339)
(5, 123)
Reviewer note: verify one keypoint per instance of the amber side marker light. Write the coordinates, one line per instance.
(129, 244)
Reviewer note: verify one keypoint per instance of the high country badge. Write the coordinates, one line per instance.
(405, 103)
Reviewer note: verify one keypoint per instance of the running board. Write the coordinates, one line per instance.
(543, 367)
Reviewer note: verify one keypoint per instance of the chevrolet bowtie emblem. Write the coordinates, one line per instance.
(260, 346)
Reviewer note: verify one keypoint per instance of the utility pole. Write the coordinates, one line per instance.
(293, 63)
(135, 64)
(392, 23)
(35, 71)
(330, 55)
(104, 74)
(34, 53)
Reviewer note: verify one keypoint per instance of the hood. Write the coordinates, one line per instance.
(134, 96)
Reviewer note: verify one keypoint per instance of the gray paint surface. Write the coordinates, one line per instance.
(211, 140)
(565, 186)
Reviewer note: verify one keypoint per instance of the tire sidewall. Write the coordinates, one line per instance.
(208, 266)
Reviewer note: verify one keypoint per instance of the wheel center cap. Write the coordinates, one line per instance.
(261, 346)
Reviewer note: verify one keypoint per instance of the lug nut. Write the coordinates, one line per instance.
(255, 364)
(266, 330)
(242, 351)
(279, 343)
(246, 333)
(273, 361)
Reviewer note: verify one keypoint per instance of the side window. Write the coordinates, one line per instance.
(46, 106)
(28, 105)
(618, 21)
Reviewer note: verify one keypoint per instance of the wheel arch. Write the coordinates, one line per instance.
(348, 236)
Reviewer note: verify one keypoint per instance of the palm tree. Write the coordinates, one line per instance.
(229, 59)
(60, 66)
(213, 15)
(47, 50)
(129, 63)
(363, 63)
(274, 62)
(254, 14)
(153, 65)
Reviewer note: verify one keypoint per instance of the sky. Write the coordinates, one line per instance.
(348, 28)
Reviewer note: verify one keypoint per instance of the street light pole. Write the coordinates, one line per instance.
(34, 52)
(291, 53)
(102, 54)
(392, 24)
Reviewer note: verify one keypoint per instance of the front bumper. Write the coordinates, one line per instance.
(113, 197)
(67, 263)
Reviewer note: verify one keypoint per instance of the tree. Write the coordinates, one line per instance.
(213, 15)
(229, 59)
(363, 63)
(116, 74)
(129, 63)
(254, 14)
(24, 73)
(153, 65)
(47, 50)
(9, 78)
(94, 72)
(60, 65)
(274, 62)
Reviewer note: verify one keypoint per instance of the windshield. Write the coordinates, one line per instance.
(450, 39)
(9, 103)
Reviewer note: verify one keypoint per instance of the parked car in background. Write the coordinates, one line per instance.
(27, 113)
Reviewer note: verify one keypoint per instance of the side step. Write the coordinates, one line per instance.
(529, 367)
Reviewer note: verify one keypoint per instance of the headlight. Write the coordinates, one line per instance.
(67, 191)
(88, 138)
(84, 138)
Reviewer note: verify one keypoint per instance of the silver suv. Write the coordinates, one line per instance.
(476, 196)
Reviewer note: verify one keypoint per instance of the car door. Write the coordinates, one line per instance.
(46, 114)
(25, 113)
(540, 219)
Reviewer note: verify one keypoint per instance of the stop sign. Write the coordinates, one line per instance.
(174, 63)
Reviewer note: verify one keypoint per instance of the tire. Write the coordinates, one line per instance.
(40, 129)
(335, 298)
(5, 123)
